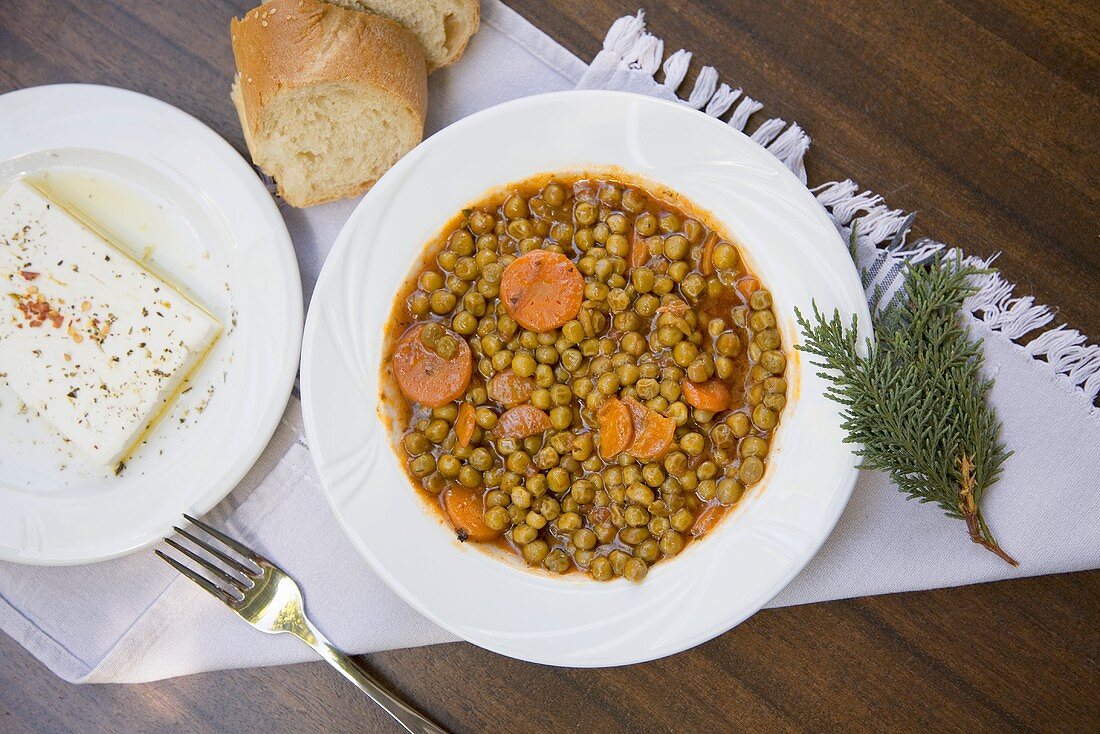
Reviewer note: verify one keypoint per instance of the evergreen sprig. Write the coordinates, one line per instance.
(915, 401)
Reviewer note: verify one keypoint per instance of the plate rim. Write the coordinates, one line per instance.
(312, 329)
(228, 158)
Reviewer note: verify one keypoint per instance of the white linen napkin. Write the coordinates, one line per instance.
(133, 619)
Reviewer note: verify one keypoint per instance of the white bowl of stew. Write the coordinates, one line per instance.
(550, 380)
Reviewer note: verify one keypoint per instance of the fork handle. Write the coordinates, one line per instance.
(409, 718)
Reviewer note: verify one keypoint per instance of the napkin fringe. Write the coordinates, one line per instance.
(883, 254)
(639, 50)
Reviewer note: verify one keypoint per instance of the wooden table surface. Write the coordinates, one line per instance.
(981, 114)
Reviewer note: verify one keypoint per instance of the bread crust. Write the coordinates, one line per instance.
(466, 9)
(473, 8)
(290, 44)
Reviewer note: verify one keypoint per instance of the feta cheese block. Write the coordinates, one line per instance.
(89, 339)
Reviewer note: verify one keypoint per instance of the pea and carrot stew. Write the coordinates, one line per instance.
(592, 376)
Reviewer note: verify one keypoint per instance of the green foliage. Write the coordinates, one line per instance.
(915, 401)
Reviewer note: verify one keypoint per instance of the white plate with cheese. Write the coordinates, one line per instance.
(149, 327)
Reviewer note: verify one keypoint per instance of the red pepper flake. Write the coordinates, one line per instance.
(29, 274)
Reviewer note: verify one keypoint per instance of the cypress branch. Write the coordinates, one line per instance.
(917, 402)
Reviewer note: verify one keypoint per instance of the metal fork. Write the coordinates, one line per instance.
(270, 600)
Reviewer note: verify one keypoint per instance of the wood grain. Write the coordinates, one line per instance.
(981, 114)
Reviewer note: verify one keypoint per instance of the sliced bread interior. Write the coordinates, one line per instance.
(329, 98)
(444, 27)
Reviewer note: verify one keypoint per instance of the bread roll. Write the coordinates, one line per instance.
(443, 27)
(329, 98)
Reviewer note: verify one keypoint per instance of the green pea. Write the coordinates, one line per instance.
(725, 256)
(640, 494)
(518, 462)
(422, 465)
(419, 303)
(466, 268)
(693, 285)
(573, 331)
(752, 469)
(647, 388)
(561, 395)
(464, 323)
(608, 383)
(669, 336)
(610, 195)
(583, 491)
(561, 417)
(556, 561)
(417, 443)
(773, 361)
(678, 271)
(535, 520)
(760, 299)
(764, 417)
(437, 431)
(536, 551)
(430, 281)
(633, 535)
(775, 401)
(728, 344)
(739, 424)
(618, 245)
(446, 259)
(585, 213)
(634, 200)
(653, 475)
(692, 443)
(442, 301)
(523, 364)
(600, 569)
(645, 224)
(684, 353)
(767, 339)
(730, 491)
(584, 539)
(448, 466)
(461, 242)
(676, 247)
(558, 479)
(446, 347)
(761, 320)
(497, 518)
(669, 223)
(753, 446)
(678, 412)
(694, 231)
(515, 207)
(553, 194)
(775, 385)
(635, 570)
(469, 477)
(697, 371)
(663, 285)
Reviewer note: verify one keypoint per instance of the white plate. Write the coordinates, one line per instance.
(156, 177)
(570, 620)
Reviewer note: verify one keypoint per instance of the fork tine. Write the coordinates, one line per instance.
(237, 565)
(215, 590)
(219, 572)
(229, 542)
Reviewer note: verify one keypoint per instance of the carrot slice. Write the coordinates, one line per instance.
(464, 508)
(748, 285)
(653, 432)
(508, 388)
(639, 252)
(707, 519)
(712, 395)
(424, 376)
(616, 428)
(706, 267)
(542, 290)
(522, 421)
(464, 424)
